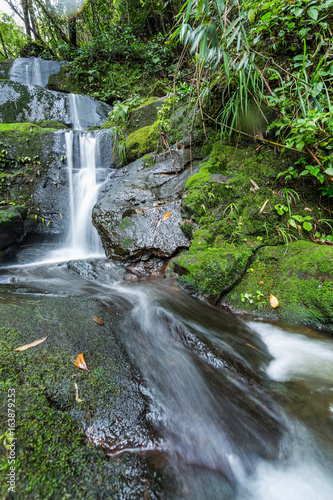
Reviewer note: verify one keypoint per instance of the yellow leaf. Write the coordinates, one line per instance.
(60, 216)
(98, 320)
(27, 346)
(166, 216)
(273, 301)
(250, 345)
(80, 363)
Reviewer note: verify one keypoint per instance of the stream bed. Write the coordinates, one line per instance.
(220, 407)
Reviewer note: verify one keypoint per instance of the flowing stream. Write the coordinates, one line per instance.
(242, 409)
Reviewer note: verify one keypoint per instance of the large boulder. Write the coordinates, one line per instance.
(138, 214)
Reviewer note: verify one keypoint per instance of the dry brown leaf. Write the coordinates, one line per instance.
(98, 320)
(263, 207)
(27, 346)
(78, 400)
(308, 209)
(254, 184)
(166, 216)
(60, 216)
(80, 363)
(138, 211)
(261, 282)
(273, 301)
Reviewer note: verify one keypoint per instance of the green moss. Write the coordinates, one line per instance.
(300, 276)
(146, 102)
(140, 142)
(64, 81)
(53, 458)
(148, 161)
(211, 270)
(50, 124)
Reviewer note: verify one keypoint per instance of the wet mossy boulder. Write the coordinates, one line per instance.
(58, 430)
(211, 268)
(300, 275)
(5, 68)
(137, 144)
(51, 124)
(144, 115)
(64, 81)
(11, 225)
(36, 49)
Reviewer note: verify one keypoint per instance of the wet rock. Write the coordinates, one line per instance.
(25, 103)
(34, 70)
(129, 214)
(11, 225)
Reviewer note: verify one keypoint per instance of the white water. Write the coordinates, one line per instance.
(33, 70)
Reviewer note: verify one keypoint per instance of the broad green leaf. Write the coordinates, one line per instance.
(307, 226)
(293, 223)
(313, 13)
(329, 171)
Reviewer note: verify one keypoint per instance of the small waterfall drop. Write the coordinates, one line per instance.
(83, 239)
(33, 70)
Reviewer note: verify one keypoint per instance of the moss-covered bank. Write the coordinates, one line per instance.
(299, 275)
(231, 209)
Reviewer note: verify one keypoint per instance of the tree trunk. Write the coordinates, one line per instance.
(34, 24)
(24, 4)
(72, 32)
(51, 18)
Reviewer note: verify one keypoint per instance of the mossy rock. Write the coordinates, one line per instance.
(63, 81)
(144, 115)
(11, 225)
(51, 124)
(160, 89)
(137, 144)
(54, 459)
(211, 269)
(36, 49)
(5, 67)
(300, 275)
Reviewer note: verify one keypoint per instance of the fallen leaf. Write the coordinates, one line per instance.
(77, 393)
(263, 207)
(273, 301)
(166, 216)
(261, 282)
(254, 184)
(250, 345)
(27, 346)
(308, 209)
(98, 320)
(138, 211)
(60, 216)
(80, 363)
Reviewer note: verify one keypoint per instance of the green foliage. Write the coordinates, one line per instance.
(13, 36)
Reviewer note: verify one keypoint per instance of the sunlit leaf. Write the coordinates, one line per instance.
(166, 216)
(273, 301)
(80, 363)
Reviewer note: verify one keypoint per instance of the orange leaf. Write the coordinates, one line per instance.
(166, 216)
(97, 320)
(138, 211)
(80, 363)
(261, 282)
(27, 346)
(273, 301)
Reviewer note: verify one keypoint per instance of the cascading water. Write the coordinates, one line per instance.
(33, 70)
(82, 240)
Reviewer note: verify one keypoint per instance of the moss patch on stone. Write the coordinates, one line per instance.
(141, 142)
(51, 124)
(64, 81)
(299, 275)
(53, 458)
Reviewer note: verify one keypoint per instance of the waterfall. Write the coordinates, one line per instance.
(83, 239)
(33, 70)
